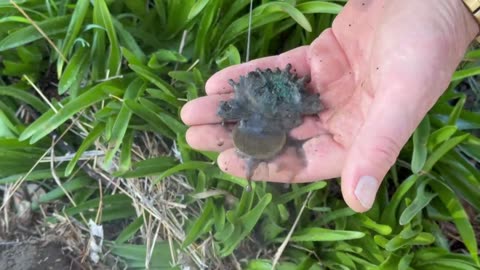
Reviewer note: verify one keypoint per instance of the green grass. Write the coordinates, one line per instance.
(115, 80)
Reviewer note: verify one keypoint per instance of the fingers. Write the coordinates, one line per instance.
(209, 138)
(218, 83)
(321, 159)
(393, 117)
(203, 110)
(215, 137)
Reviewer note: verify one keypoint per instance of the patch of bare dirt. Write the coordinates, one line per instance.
(37, 255)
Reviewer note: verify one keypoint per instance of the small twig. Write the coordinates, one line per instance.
(39, 30)
(280, 250)
(41, 94)
(250, 15)
(57, 179)
(100, 202)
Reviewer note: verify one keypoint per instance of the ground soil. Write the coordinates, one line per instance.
(35, 256)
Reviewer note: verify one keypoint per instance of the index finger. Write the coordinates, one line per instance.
(218, 83)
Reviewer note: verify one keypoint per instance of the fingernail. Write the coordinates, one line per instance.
(366, 190)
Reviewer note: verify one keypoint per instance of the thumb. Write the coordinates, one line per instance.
(391, 120)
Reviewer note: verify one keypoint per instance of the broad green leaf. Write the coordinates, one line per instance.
(99, 57)
(129, 231)
(163, 55)
(18, 19)
(161, 256)
(23, 36)
(150, 76)
(169, 120)
(128, 42)
(230, 57)
(443, 149)
(75, 70)
(138, 7)
(472, 54)
(17, 69)
(215, 172)
(161, 10)
(197, 8)
(131, 57)
(300, 191)
(441, 135)
(457, 110)
(467, 120)
(420, 139)
(44, 125)
(200, 225)
(126, 152)
(421, 200)
(405, 261)
(225, 233)
(134, 89)
(103, 18)
(447, 264)
(219, 217)
(294, 13)
(391, 262)
(182, 76)
(465, 73)
(24, 96)
(177, 16)
(7, 128)
(319, 7)
(9, 112)
(161, 95)
(243, 206)
(389, 215)
(464, 164)
(324, 235)
(247, 222)
(30, 54)
(271, 230)
(371, 224)
(36, 175)
(151, 118)
(471, 150)
(189, 165)
(460, 218)
(233, 10)
(69, 186)
(337, 214)
(150, 167)
(260, 17)
(204, 34)
(92, 136)
(458, 179)
(74, 27)
(119, 200)
(398, 242)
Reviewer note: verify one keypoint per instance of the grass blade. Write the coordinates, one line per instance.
(92, 136)
(102, 17)
(460, 218)
(420, 139)
(324, 235)
(23, 36)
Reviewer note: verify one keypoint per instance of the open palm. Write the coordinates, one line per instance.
(378, 70)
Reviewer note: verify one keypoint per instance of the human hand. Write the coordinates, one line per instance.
(378, 70)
